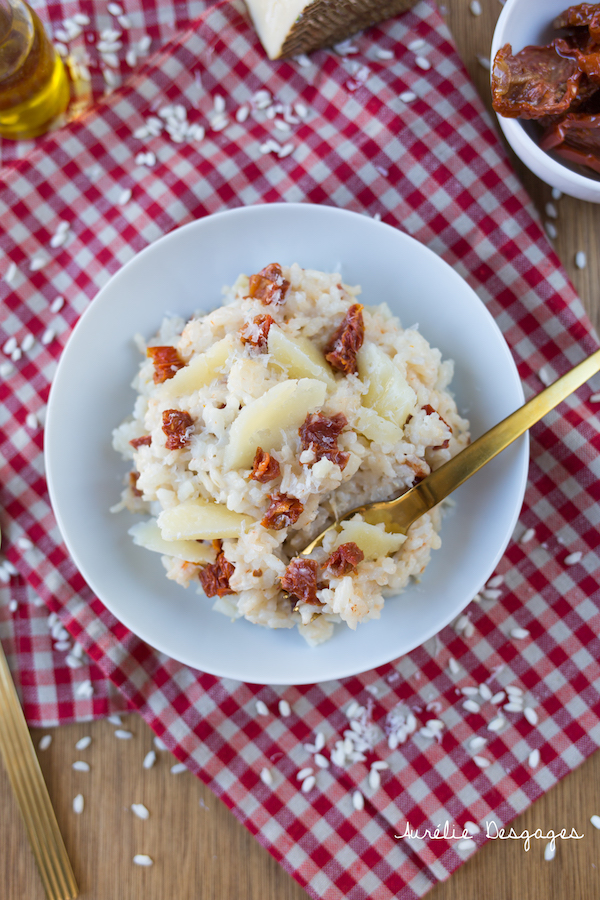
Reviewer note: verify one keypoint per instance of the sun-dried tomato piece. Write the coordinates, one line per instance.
(429, 410)
(300, 580)
(343, 346)
(166, 362)
(177, 425)
(133, 479)
(269, 285)
(144, 441)
(575, 137)
(534, 82)
(265, 467)
(585, 53)
(583, 15)
(419, 467)
(320, 433)
(283, 511)
(214, 578)
(257, 335)
(345, 559)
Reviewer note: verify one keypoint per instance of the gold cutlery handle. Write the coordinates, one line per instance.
(433, 489)
(31, 792)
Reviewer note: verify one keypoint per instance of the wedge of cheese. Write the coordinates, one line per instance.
(291, 27)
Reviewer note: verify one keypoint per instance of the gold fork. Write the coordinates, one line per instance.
(399, 514)
(31, 792)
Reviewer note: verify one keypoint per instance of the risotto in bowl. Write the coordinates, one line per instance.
(256, 423)
(288, 363)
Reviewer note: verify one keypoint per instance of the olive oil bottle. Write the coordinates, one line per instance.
(34, 89)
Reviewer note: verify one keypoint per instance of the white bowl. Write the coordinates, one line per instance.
(523, 23)
(185, 271)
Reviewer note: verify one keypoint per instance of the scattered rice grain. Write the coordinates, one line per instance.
(550, 851)
(142, 859)
(498, 698)
(497, 724)
(417, 44)
(321, 761)
(453, 666)
(308, 784)
(83, 743)
(115, 719)
(9, 275)
(472, 827)
(381, 53)
(477, 743)
(374, 780)
(531, 715)
(573, 558)
(495, 582)
(422, 63)
(24, 543)
(580, 259)
(527, 536)
(31, 421)
(139, 810)
(45, 742)
(513, 706)
(551, 230)
(124, 197)
(284, 708)
(10, 345)
(466, 844)
(595, 820)
(81, 766)
(471, 706)
(78, 804)
(407, 96)
(481, 762)
(261, 708)
(48, 336)
(379, 765)
(358, 801)
(304, 773)
(556, 194)
(180, 768)
(149, 759)
(475, 7)
(57, 304)
(551, 211)
(519, 634)
(534, 759)
(123, 735)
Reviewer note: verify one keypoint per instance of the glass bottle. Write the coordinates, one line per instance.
(34, 89)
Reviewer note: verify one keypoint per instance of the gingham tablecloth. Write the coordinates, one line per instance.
(432, 166)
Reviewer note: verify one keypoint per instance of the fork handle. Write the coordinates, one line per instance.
(30, 789)
(433, 489)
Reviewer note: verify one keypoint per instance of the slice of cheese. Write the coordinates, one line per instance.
(290, 27)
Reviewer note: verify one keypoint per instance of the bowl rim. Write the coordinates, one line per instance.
(539, 161)
(139, 628)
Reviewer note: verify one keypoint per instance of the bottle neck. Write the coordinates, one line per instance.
(16, 36)
(6, 19)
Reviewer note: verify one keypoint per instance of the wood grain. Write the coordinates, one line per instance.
(200, 850)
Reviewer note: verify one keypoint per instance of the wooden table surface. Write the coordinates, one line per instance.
(199, 848)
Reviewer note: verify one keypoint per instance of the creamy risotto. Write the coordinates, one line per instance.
(258, 423)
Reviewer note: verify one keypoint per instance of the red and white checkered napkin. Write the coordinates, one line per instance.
(433, 167)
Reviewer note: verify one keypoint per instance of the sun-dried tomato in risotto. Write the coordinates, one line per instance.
(257, 423)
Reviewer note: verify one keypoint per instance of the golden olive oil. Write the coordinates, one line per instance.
(34, 89)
